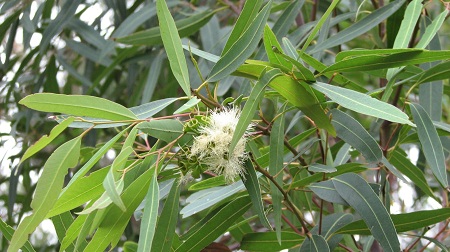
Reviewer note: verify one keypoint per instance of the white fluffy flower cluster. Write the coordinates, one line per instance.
(212, 145)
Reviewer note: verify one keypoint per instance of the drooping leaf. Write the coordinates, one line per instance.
(48, 187)
(316, 243)
(268, 241)
(353, 133)
(431, 144)
(254, 191)
(404, 165)
(362, 103)
(78, 105)
(358, 194)
(276, 159)
(172, 44)
(167, 222)
(148, 223)
(326, 191)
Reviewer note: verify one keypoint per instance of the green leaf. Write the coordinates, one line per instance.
(148, 223)
(276, 158)
(48, 187)
(403, 222)
(212, 226)
(164, 129)
(353, 133)
(321, 168)
(404, 165)
(361, 27)
(185, 27)
(208, 183)
(172, 44)
(111, 228)
(45, 140)
(254, 190)
(167, 222)
(412, 14)
(268, 241)
(326, 191)
(363, 199)
(431, 144)
(386, 58)
(316, 243)
(431, 30)
(82, 191)
(61, 222)
(242, 49)
(78, 105)
(362, 103)
(94, 159)
(271, 44)
(191, 103)
(319, 25)
(114, 187)
(7, 232)
(245, 19)
(148, 110)
(251, 105)
(130, 246)
(440, 71)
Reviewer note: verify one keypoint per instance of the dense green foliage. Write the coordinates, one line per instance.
(255, 125)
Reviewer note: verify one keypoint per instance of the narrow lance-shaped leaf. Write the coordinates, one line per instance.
(407, 27)
(172, 44)
(431, 144)
(242, 48)
(167, 222)
(362, 103)
(250, 106)
(48, 187)
(317, 243)
(357, 192)
(148, 224)
(276, 167)
(254, 190)
(114, 187)
(353, 133)
(432, 30)
(78, 105)
(45, 140)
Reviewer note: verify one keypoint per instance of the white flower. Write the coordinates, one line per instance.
(212, 145)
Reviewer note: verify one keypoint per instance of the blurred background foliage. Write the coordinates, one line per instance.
(93, 48)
